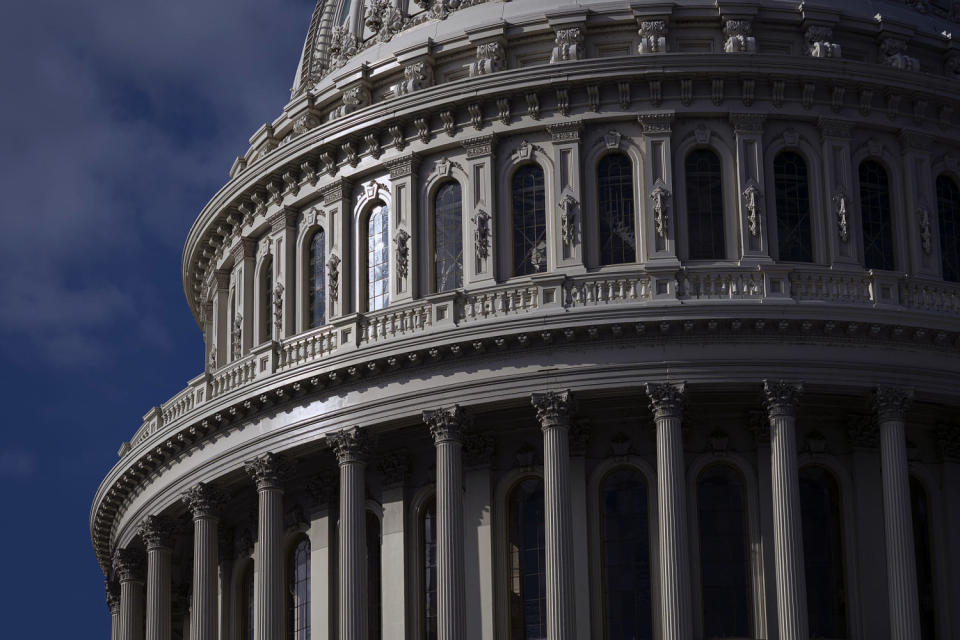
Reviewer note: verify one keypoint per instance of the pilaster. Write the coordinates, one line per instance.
(221, 318)
(479, 246)
(478, 450)
(843, 222)
(922, 250)
(752, 220)
(393, 540)
(659, 224)
(568, 194)
(244, 268)
(404, 254)
(340, 258)
(283, 236)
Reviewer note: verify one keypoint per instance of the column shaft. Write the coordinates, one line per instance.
(131, 610)
(158, 593)
(451, 611)
(115, 624)
(269, 617)
(561, 611)
(203, 612)
(672, 512)
(353, 541)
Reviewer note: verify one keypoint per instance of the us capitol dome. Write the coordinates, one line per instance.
(606, 320)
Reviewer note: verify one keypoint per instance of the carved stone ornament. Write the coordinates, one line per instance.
(236, 335)
(416, 76)
(863, 432)
(278, 310)
(212, 359)
(661, 217)
(395, 467)
(948, 441)
(524, 151)
(580, 431)
(128, 565)
(554, 408)
(718, 441)
(384, 19)
(818, 43)
(751, 204)
(892, 403)
(343, 46)
(304, 123)
(653, 36)
(351, 445)
(112, 588)
(333, 278)
(666, 399)
(446, 425)
(843, 222)
(893, 54)
(611, 139)
(568, 45)
(204, 500)
(781, 397)
(401, 240)
(157, 532)
(568, 219)
(481, 233)
(489, 59)
(926, 235)
(269, 470)
(478, 449)
(353, 98)
(739, 34)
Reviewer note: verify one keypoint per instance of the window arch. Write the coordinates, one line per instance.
(448, 237)
(374, 593)
(792, 187)
(823, 552)
(615, 207)
(246, 604)
(316, 278)
(948, 214)
(298, 591)
(528, 579)
(428, 568)
(378, 257)
(529, 209)
(344, 12)
(625, 532)
(876, 216)
(923, 545)
(704, 175)
(266, 301)
(724, 556)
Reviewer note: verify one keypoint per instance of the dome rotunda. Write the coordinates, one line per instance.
(602, 320)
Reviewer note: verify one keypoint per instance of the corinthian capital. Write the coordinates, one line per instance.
(892, 403)
(781, 397)
(157, 532)
(204, 501)
(351, 445)
(113, 596)
(554, 408)
(666, 399)
(269, 470)
(446, 425)
(128, 565)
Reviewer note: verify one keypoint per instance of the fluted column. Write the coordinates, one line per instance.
(204, 502)
(157, 534)
(891, 406)
(113, 601)
(781, 403)
(128, 567)
(351, 447)
(269, 471)
(553, 412)
(666, 402)
(446, 427)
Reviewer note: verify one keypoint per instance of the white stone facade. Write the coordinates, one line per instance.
(694, 246)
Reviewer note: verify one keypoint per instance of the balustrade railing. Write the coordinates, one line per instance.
(384, 325)
(581, 291)
(498, 303)
(719, 285)
(930, 296)
(306, 347)
(233, 376)
(830, 287)
(178, 405)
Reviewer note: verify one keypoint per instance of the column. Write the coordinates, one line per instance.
(781, 403)
(446, 427)
(128, 567)
(204, 503)
(352, 448)
(157, 534)
(553, 412)
(269, 471)
(666, 402)
(891, 405)
(113, 601)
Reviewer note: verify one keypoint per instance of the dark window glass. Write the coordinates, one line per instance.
(793, 207)
(626, 556)
(317, 280)
(529, 221)
(877, 221)
(528, 580)
(920, 508)
(823, 553)
(705, 205)
(428, 536)
(298, 589)
(447, 239)
(246, 605)
(615, 203)
(374, 598)
(948, 213)
(378, 258)
(722, 513)
(266, 300)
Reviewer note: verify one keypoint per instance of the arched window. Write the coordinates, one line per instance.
(724, 573)
(625, 533)
(266, 299)
(705, 205)
(528, 579)
(823, 552)
(447, 237)
(948, 213)
(374, 597)
(923, 544)
(344, 12)
(615, 204)
(877, 220)
(298, 585)
(378, 258)
(316, 279)
(792, 188)
(246, 604)
(428, 540)
(529, 221)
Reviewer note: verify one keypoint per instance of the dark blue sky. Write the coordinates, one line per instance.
(118, 120)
